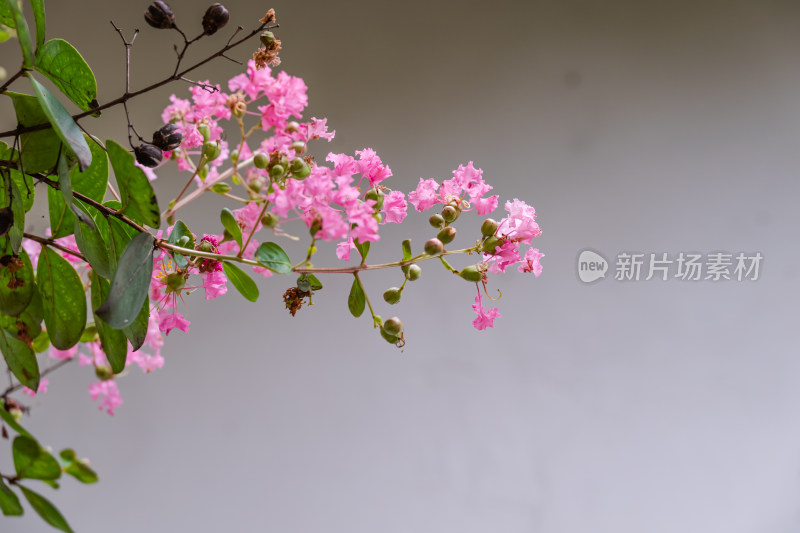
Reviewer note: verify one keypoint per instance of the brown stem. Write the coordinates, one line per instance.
(45, 372)
(53, 244)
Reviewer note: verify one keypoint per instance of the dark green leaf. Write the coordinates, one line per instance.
(363, 249)
(230, 224)
(39, 149)
(62, 221)
(14, 300)
(308, 283)
(9, 503)
(13, 424)
(20, 359)
(66, 68)
(138, 199)
(357, 299)
(24, 182)
(26, 325)
(274, 258)
(131, 283)
(46, 510)
(63, 299)
(137, 331)
(16, 233)
(82, 472)
(179, 231)
(407, 250)
(23, 33)
(38, 17)
(115, 233)
(33, 462)
(41, 342)
(243, 283)
(62, 122)
(91, 244)
(113, 341)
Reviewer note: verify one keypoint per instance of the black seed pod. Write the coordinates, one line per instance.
(168, 137)
(216, 17)
(159, 15)
(148, 155)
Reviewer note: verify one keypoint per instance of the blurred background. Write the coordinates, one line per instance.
(658, 406)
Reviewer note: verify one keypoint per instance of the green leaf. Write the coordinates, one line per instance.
(363, 249)
(137, 331)
(12, 423)
(82, 472)
(91, 244)
(39, 149)
(23, 33)
(66, 68)
(6, 15)
(9, 503)
(41, 342)
(357, 299)
(16, 233)
(20, 359)
(63, 299)
(179, 231)
(46, 510)
(113, 341)
(62, 122)
(308, 283)
(24, 182)
(33, 462)
(230, 224)
(62, 221)
(407, 250)
(38, 17)
(138, 199)
(131, 283)
(14, 300)
(274, 258)
(115, 233)
(243, 283)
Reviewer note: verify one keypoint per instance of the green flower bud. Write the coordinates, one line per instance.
(437, 221)
(205, 246)
(211, 150)
(204, 131)
(299, 168)
(174, 282)
(490, 245)
(450, 213)
(391, 339)
(104, 372)
(393, 326)
(471, 273)
(316, 225)
(260, 160)
(378, 217)
(433, 247)
(292, 127)
(376, 195)
(277, 172)
(269, 220)
(393, 295)
(299, 147)
(414, 272)
(447, 235)
(489, 227)
(267, 38)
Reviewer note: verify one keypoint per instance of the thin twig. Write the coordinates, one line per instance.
(45, 372)
(51, 243)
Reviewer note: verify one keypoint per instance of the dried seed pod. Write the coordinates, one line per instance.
(148, 155)
(168, 137)
(215, 18)
(159, 15)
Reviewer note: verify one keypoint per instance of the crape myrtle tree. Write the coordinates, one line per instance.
(108, 281)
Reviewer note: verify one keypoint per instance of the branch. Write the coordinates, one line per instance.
(53, 244)
(45, 372)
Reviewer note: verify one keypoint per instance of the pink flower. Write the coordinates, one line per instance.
(214, 283)
(486, 205)
(503, 257)
(33, 249)
(531, 262)
(371, 167)
(343, 249)
(394, 207)
(108, 393)
(485, 319)
(318, 129)
(169, 321)
(149, 172)
(43, 383)
(424, 197)
(520, 224)
(69, 353)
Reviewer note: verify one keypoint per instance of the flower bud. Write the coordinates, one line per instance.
(437, 221)
(269, 220)
(174, 281)
(205, 131)
(376, 195)
(215, 18)
(267, 38)
(449, 213)
(393, 295)
(148, 155)
(391, 339)
(414, 272)
(433, 247)
(206, 246)
(299, 168)
(103, 372)
(393, 326)
(159, 16)
(490, 245)
(168, 137)
(292, 126)
(378, 217)
(316, 226)
(489, 227)
(471, 273)
(277, 172)
(260, 160)
(446, 235)
(299, 147)
(211, 150)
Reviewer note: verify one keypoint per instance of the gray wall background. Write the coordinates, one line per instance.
(652, 406)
